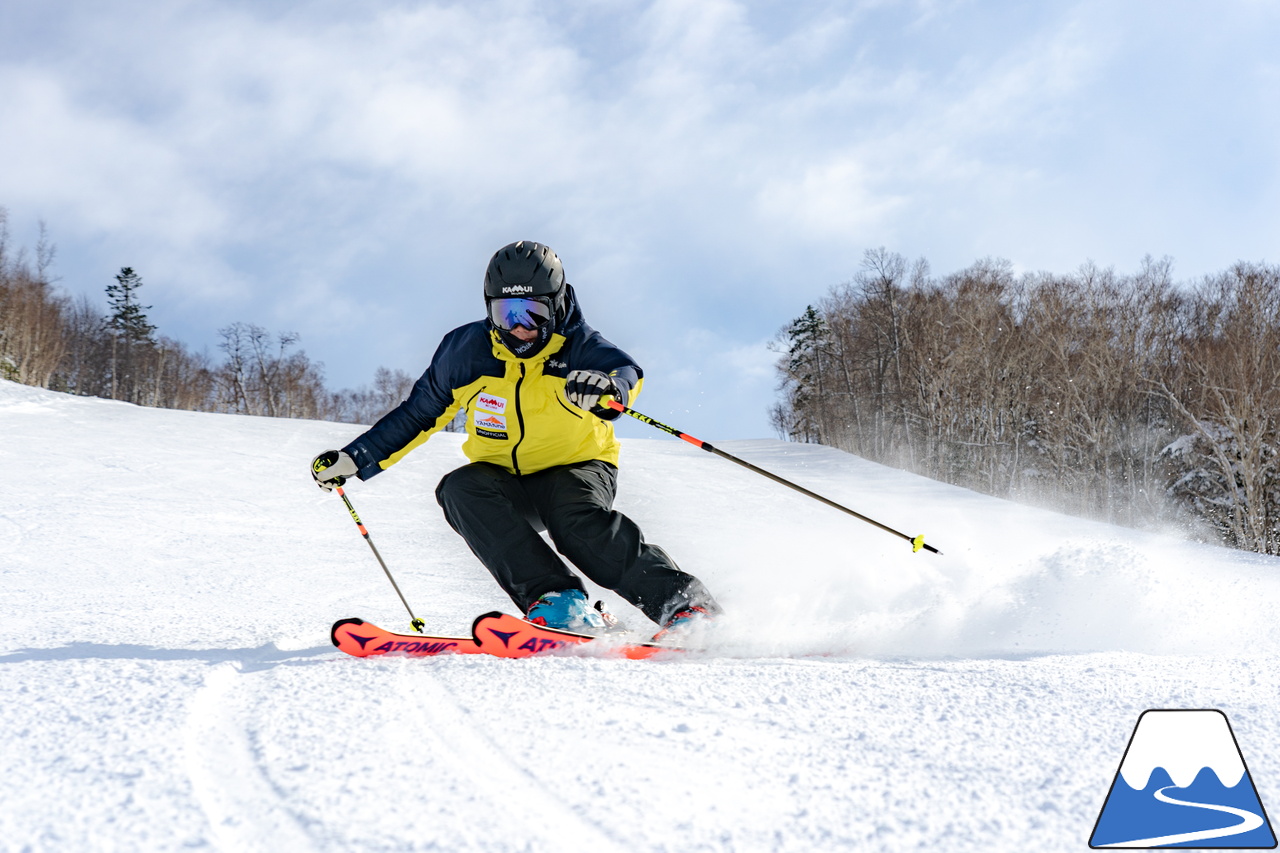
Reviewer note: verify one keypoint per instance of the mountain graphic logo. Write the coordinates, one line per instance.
(1183, 783)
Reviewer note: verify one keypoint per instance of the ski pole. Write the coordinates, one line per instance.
(917, 542)
(418, 624)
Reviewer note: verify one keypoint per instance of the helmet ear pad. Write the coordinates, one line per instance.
(560, 303)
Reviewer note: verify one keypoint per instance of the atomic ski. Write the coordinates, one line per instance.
(363, 639)
(497, 634)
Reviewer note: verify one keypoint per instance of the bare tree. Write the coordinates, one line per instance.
(261, 376)
(1054, 388)
(31, 313)
(1227, 394)
(365, 405)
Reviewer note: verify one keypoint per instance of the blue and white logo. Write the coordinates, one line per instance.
(1183, 783)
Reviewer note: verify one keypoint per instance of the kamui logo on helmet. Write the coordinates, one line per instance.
(517, 288)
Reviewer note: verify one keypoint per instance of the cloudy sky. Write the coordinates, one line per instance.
(705, 168)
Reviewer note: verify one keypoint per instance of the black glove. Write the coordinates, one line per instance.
(584, 388)
(332, 468)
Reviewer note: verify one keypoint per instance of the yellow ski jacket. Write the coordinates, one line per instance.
(517, 414)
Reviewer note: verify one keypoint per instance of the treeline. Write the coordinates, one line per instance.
(50, 340)
(1129, 398)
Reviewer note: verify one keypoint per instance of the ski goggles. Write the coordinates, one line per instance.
(506, 314)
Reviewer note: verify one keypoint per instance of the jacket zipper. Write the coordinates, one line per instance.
(515, 466)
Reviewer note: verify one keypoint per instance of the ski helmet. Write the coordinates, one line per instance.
(526, 270)
(524, 286)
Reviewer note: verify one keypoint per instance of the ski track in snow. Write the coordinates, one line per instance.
(520, 803)
(225, 765)
(168, 580)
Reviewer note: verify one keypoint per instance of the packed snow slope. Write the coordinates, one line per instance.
(168, 579)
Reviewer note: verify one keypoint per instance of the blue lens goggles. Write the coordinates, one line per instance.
(506, 314)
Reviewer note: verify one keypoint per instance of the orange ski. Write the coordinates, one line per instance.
(362, 639)
(497, 634)
(511, 637)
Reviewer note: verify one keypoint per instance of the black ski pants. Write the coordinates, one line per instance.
(500, 515)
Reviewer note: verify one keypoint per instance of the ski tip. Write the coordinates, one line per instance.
(333, 632)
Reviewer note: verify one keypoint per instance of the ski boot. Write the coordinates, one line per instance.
(567, 610)
(683, 623)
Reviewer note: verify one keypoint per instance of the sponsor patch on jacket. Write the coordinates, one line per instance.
(490, 403)
(490, 425)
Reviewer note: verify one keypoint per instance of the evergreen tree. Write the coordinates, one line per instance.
(805, 339)
(132, 336)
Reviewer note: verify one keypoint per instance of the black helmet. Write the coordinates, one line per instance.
(524, 269)
(524, 285)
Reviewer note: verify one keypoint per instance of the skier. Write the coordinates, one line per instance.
(531, 377)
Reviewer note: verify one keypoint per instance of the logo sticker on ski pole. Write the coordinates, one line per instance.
(1183, 783)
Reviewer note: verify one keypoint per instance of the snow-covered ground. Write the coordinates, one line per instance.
(168, 579)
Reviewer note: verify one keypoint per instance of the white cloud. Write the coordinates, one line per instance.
(96, 168)
(699, 163)
(831, 200)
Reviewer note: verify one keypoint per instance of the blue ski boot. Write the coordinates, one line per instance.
(567, 610)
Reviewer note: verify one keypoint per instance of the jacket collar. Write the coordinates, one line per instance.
(501, 352)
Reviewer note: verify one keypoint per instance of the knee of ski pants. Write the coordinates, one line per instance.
(484, 482)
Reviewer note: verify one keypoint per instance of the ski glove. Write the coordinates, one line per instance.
(332, 468)
(584, 388)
